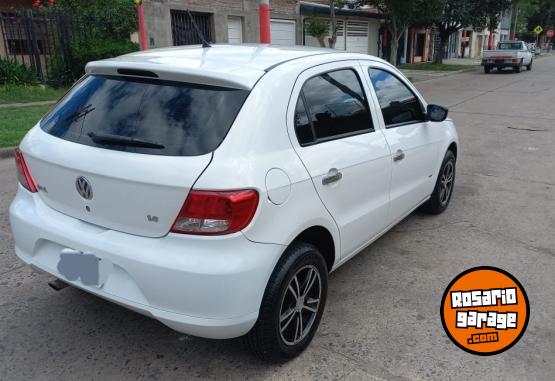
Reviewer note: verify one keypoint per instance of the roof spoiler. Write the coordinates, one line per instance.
(178, 73)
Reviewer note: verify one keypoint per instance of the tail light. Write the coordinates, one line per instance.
(23, 173)
(216, 212)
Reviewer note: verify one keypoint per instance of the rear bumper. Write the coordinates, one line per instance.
(500, 64)
(204, 286)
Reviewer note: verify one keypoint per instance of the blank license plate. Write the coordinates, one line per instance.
(88, 268)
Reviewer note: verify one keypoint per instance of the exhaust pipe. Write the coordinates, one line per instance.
(58, 284)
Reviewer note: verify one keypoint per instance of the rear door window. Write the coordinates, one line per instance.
(147, 116)
(331, 105)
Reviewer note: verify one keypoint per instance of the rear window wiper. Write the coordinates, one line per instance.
(81, 113)
(122, 141)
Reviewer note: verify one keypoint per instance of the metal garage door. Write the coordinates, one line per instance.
(283, 32)
(234, 30)
(357, 36)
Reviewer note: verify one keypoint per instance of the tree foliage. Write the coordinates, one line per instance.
(114, 18)
(318, 28)
(400, 14)
(493, 11)
(544, 15)
(99, 29)
(15, 73)
(458, 14)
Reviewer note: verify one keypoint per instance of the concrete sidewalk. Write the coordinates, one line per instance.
(425, 75)
(463, 61)
(27, 104)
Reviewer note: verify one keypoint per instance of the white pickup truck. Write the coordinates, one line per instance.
(514, 54)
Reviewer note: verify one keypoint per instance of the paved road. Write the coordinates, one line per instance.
(382, 320)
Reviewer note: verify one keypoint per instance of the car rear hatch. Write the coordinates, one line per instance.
(122, 153)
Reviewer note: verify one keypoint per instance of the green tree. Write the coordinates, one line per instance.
(318, 28)
(99, 29)
(333, 22)
(543, 16)
(493, 11)
(400, 14)
(114, 18)
(521, 11)
(455, 15)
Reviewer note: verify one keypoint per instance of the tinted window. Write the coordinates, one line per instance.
(399, 105)
(335, 106)
(509, 46)
(182, 119)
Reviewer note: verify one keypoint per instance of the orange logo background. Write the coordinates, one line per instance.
(511, 319)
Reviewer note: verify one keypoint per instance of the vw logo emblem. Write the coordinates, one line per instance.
(84, 188)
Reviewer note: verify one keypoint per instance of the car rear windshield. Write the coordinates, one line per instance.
(509, 45)
(145, 116)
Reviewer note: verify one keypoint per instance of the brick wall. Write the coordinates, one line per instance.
(158, 19)
(283, 7)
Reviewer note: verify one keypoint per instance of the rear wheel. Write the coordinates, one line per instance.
(487, 69)
(518, 68)
(439, 200)
(292, 306)
(529, 66)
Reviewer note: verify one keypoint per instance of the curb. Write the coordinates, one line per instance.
(27, 104)
(7, 152)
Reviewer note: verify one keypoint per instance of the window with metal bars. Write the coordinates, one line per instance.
(184, 31)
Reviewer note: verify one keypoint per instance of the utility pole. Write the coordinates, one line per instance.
(264, 21)
(142, 27)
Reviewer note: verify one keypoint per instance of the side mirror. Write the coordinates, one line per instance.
(436, 113)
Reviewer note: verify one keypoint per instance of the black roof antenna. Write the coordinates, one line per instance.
(205, 43)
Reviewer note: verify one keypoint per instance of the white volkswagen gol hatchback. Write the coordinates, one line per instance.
(214, 189)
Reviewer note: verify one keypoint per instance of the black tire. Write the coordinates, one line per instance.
(438, 202)
(487, 69)
(518, 68)
(529, 66)
(266, 339)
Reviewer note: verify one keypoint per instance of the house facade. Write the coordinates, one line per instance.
(236, 21)
(15, 32)
(220, 21)
(420, 45)
(358, 30)
(470, 42)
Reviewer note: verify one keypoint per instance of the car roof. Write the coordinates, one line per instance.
(237, 66)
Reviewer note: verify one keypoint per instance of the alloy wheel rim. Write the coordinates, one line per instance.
(446, 185)
(300, 305)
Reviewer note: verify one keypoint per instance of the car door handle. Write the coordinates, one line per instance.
(399, 155)
(333, 176)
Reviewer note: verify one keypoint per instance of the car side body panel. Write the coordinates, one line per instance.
(259, 143)
(359, 201)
